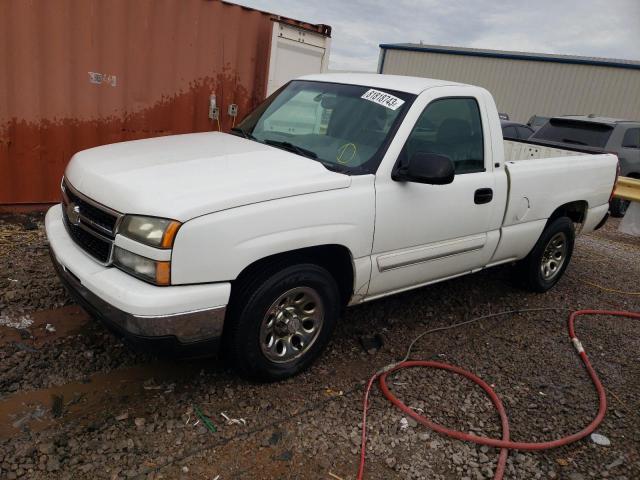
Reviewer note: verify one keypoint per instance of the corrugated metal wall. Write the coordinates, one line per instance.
(523, 88)
(80, 73)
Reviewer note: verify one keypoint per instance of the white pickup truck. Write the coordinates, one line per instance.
(337, 190)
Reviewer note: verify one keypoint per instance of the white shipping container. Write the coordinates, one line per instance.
(295, 52)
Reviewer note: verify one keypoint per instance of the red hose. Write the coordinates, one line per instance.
(505, 444)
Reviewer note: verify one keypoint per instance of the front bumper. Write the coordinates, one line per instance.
(172, 317)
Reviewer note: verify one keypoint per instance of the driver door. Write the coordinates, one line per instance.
(425, 233)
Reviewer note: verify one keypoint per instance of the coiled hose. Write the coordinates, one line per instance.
(504, 443)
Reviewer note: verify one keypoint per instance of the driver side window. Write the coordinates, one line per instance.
(451, 127)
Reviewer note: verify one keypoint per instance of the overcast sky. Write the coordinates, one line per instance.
(599, 28)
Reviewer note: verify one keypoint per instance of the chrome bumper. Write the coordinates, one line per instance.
(186, 328)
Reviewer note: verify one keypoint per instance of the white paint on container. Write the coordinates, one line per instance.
(295, 52)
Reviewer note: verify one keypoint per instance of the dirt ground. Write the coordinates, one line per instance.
(76, 403)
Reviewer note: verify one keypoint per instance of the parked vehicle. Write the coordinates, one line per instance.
(598, 134)
(256, 241)
(503, 116)
(537, 121)
(515, 130)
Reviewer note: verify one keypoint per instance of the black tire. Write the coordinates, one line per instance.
(532, 273)
(618, 207)
(255, 296)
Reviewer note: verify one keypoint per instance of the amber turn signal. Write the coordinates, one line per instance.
(163, 273)
(170, 234)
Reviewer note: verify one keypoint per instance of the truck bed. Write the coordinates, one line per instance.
(536, 189)
(556, 177)
(523, 150)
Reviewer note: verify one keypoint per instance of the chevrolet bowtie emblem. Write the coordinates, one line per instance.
(73, 213)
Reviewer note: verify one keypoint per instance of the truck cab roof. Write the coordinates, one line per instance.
(414, 85)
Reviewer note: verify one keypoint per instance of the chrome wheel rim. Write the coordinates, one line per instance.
(554, 256)
(291, 325)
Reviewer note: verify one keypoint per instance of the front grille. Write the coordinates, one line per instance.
(93, 213)
(94, 246)
(93, 226)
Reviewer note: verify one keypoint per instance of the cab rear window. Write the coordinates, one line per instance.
(575, 132)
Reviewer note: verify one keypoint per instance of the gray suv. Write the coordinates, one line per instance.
(597, 134)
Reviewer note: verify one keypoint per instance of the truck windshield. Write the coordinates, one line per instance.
(574, 132)
(345, 127)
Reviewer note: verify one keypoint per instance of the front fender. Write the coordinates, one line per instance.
(218, 246)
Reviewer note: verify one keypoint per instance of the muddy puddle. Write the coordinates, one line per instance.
(33, 330)
(101, 395)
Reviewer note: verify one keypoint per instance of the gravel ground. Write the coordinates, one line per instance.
(76, 403)
(26, 275)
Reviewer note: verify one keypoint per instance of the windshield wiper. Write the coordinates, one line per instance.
(334, 167)
(292, 148)
(243, 133)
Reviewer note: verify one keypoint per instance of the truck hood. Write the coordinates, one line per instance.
(185, 176)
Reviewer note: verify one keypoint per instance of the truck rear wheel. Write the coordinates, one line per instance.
(280, 321)
(546, 263)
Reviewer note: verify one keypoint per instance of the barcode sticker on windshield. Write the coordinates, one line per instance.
(382, 98)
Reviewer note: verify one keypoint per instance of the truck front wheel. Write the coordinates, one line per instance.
(545, 264)
(280, 321)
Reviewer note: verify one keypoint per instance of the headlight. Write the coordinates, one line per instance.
(152, 231)
(144, 268)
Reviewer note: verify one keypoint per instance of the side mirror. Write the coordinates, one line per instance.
(430, 168)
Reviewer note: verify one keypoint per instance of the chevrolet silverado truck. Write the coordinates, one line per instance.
(337, 190)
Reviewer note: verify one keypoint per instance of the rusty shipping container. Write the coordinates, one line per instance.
(75, 74)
